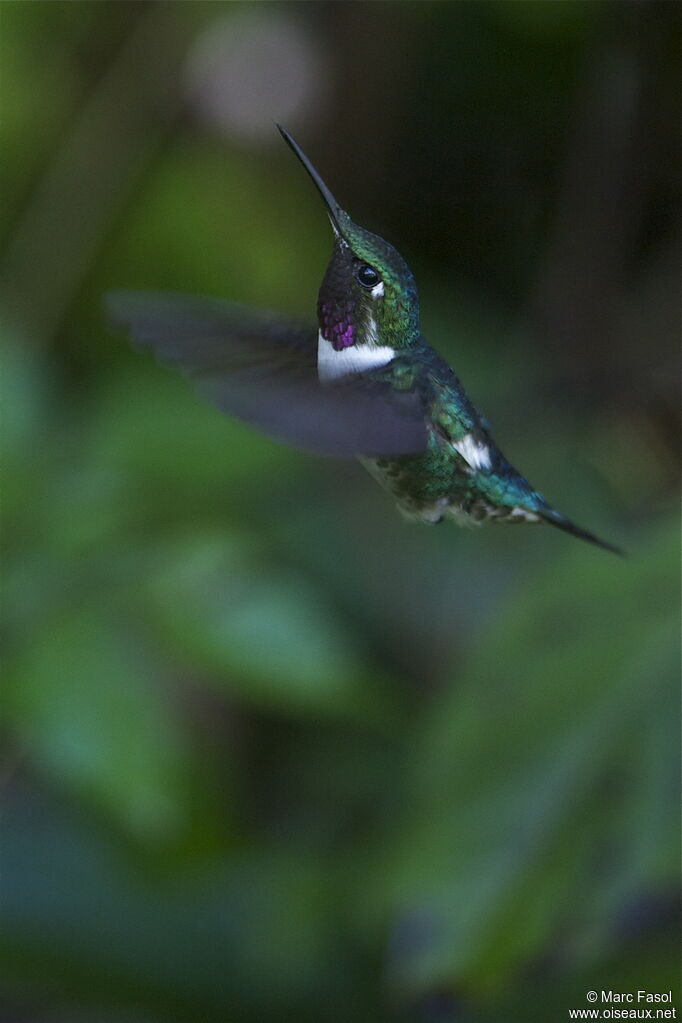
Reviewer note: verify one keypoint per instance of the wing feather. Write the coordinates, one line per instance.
(262, 368)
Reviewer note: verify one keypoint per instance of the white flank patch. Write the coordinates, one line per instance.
(473, 451)
(521, 513)
(333, 365)
(378, 290)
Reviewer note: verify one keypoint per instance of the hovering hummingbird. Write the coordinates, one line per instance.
(364, 383)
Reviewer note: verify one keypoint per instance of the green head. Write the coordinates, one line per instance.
(368, 297)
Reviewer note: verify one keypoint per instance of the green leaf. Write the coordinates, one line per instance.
(567, 696)
(264, 634)
(85, 704)
(151, 423)
(230, 940)
(23, 401)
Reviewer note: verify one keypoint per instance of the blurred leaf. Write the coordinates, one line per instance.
(263, 633)
(23, 417)
(232, 940)
(150, 423)
(84, 703)
(508, 816)
(22, 391)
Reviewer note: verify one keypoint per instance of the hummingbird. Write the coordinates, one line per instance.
(363, 383)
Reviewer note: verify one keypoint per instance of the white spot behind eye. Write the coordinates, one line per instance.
(474, 452)
(333, 366)
(378, 290)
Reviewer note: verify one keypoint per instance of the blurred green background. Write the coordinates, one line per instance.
(269, 753)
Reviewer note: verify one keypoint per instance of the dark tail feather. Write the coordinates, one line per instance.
(555, 518)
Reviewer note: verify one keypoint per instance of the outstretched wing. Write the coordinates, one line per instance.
(262, 368)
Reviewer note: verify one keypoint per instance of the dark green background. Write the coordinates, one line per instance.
(269, 753)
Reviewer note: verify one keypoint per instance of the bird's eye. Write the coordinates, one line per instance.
(367, 276)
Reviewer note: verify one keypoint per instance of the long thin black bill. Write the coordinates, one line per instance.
(330, 201)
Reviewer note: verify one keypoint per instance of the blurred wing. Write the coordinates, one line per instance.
(262, 368)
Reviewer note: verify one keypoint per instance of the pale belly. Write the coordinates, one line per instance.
(429, 494)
